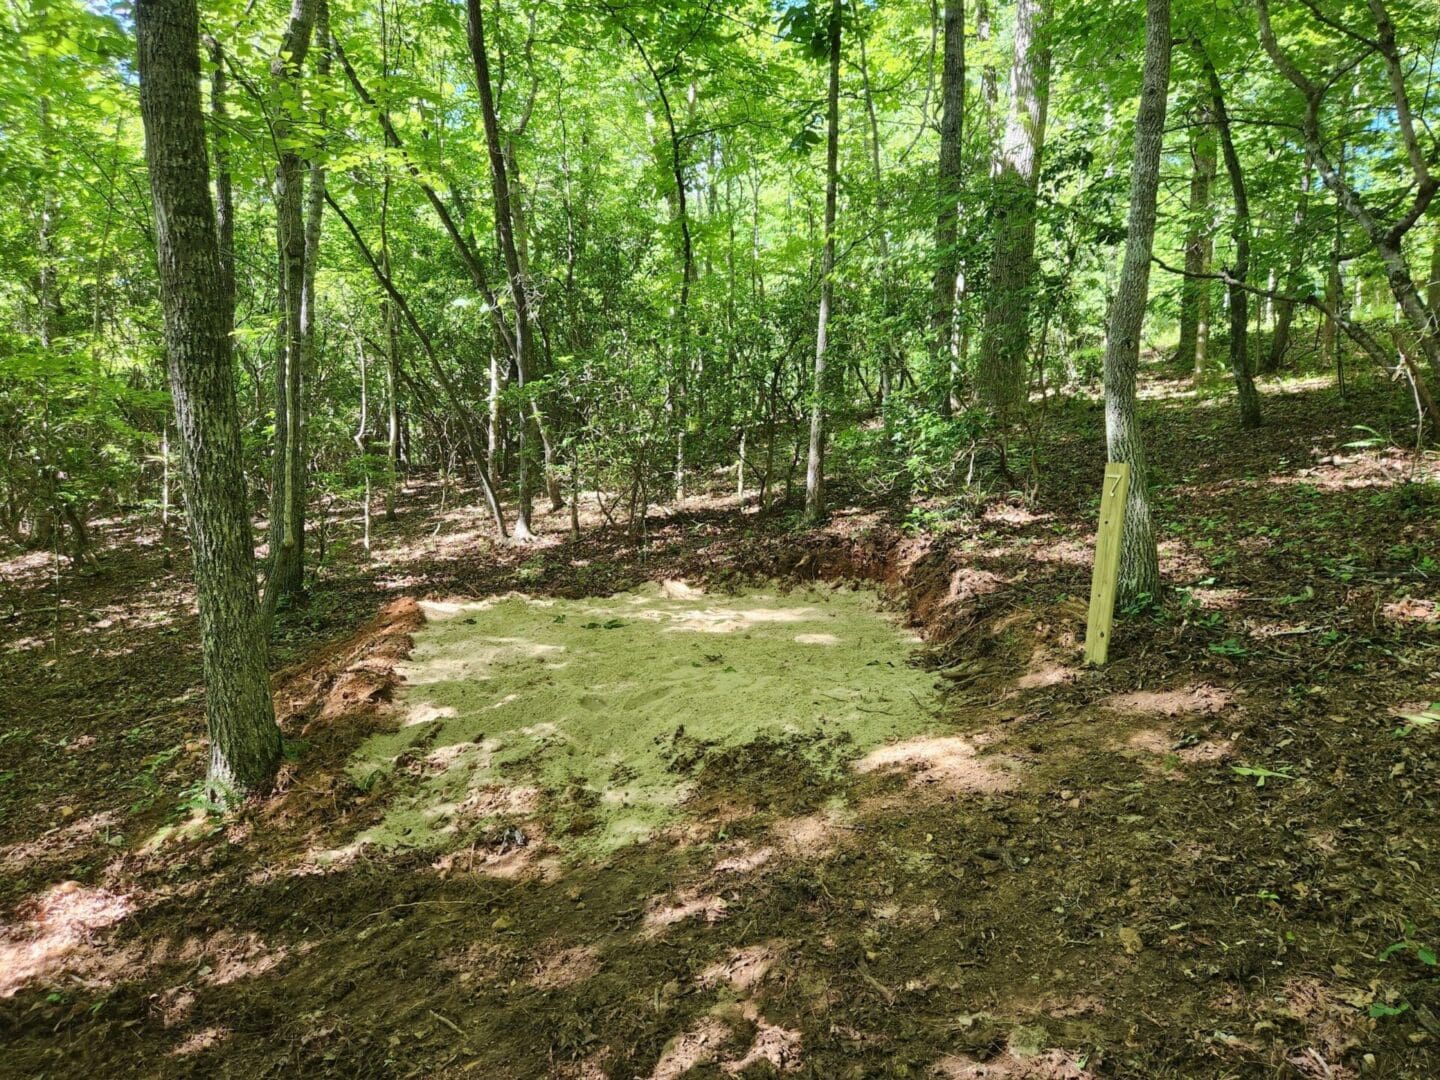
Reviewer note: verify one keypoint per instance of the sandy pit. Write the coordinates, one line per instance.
(607, 705)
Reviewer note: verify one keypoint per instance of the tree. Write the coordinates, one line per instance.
(1139, 560)
(244, 739)
(947, 257)
(285, 577)
(1385, 230)
(475, 270)
(1003, 376)
(1191, 352)
(521, 332)
(1240, 230)
(1285, 307)
(815, 461)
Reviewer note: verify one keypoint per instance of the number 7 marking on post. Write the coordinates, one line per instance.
(1113, 493)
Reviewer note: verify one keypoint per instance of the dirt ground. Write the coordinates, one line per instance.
(1214, 858)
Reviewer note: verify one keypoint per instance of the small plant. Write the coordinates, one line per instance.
(1260, 773)
(1371, 440)
(1408, 944)
(148, 779)
(1229, 647)
(1138, 605)
(199, 796)
(1378, 1010)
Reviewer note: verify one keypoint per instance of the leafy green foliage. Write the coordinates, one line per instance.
(656, 369)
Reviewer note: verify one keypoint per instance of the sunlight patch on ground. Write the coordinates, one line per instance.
(711, 1040)
(1013, 1065)
(744, 969)
(1200, 698)
(62, 842)
(1044, 672)
(947, 762)
(1182, 748)
(200, 1041)
(693, 903)
(56, 924)
(1412, 609)
(599, 708)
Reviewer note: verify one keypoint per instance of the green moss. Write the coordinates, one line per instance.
(610, 707)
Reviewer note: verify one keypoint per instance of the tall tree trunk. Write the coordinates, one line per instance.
(286, 576)
(1285, 308)
(1432, 288)
(678, 198)
(989, 84)
(391, 318)
(550, 471)
(1240, 231)
(1002, 378)
(815, 461)
(314, 218)
(521, 331)
(890, 358)
(245, 742)
(1199, 243)
(224, 187)
(947, 256)
(1335, 305)
(1139, 563)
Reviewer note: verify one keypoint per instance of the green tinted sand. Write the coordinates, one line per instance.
(517, 700)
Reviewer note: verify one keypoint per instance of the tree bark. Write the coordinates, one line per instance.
(947, 256)
(1240, 232)
(390, 317)
(245, 741)
(1330, 347)
(522, 330)
(890, 357)
(1139, 562)
(1432, 288)
(1002, 377)
(286, 576)
(224, 186)
(815, 461)
(1285, 308)
(1190, 354)
(314, 218)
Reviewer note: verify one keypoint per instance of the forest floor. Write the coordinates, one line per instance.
(1213, 858)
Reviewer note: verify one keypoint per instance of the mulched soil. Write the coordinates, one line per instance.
(1214, 858)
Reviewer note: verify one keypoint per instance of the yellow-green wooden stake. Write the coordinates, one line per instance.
(1107, 562)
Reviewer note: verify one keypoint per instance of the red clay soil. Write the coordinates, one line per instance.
(1214, 858)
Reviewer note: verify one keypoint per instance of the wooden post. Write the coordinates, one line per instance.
(1107, 562)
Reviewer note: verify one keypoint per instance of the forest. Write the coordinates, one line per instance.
(657, 539)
